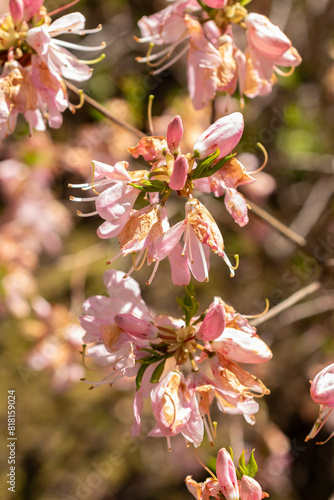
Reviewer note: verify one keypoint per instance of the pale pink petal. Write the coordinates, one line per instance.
(68, 65)
(167, 241)
(70, 23)
(224, 134)
(116, 200)
(179, 266)
(193, 430)
(290, 58)
(241, 347)
(322, 387)
(268, 39)
(214, 322)
(136, 327)
(197, 258)
(110, 229)
(117, 172)
(39, 39)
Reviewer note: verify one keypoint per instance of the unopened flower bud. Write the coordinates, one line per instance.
(174, 134)
(16, 8)
(226, 475)
(250, 489)
(224, 134)
(322, 387)
(179, 174)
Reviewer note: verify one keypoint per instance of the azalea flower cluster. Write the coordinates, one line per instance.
(146, 233)
(322, 393)
(183, 364)
(34, 64)
(204, 31)
(230, 483)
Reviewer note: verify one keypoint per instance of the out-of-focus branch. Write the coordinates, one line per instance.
(105, 112)
(279, 226)
(290, 301)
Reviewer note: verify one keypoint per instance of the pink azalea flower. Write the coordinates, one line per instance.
(176, 410)
(200, 231)
(36, 88)
(322, 393)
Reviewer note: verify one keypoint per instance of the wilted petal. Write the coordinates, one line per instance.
(236, 205)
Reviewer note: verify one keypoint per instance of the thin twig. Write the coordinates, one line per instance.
(275, 223)
(105, 112)
(290, 301)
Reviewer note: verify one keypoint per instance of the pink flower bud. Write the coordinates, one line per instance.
(16, 9)
(267, 38)
(226, 475)
(224, 134)
(180, 172)
(216, 4)
(174, 134)
(214, 322)
(31, 7)
(135, 326)
(322, 387)
(250, 489)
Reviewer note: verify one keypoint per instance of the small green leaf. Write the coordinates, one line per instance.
(204, 165)
(231, 453)
(140, 375)
(242, 462)
(188, 303)
(158, 372)
(252, 466)
(245, 2)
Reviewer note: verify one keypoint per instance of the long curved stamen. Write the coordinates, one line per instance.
(83, 353)
(284, 73)
(208, 430)
(74, 107)
(91, 198)
(205, 266)
(266, 309)
(149, 114)
(171, 62)
(174, 408)
(83, 185)
(154, 272)
(114, 258)
(136, 262)
(228, 262)
(91, 61)
(185, 238)
(319, 423)
(152, 57)
(326, 440)
(86, 215)
(147, 39)
(93, 177)
(265, 161)
(97, 184)
(76, 46)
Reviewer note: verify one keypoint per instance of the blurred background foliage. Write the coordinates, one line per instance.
(74, 443)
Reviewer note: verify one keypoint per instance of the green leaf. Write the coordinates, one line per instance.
(149, 186)
(252, 467)
(216, 167)
(140, 375)
(158, 372)
(188, 303)
(231, 453)
(242, 462)
(245, 2)
(204, 165)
